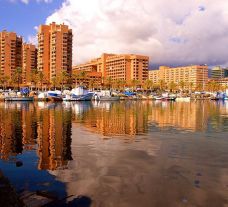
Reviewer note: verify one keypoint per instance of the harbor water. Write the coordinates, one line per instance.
(125, 154)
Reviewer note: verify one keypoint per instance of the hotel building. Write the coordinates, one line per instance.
(10, 53)
(218, 72)
(29, 62)
(125, 67)
(194, 74)
(54, 50)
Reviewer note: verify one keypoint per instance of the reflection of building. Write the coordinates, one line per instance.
(125, 67)
(21, 124)
(29, 62)
(120, 119)
(54, 50)
(10, 53)
(54, 138)
(10, 131)
(194, 74)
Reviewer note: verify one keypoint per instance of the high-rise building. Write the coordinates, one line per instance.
(54, 50)
(219, 72)
(191, 76)
(10, 53)
(29, 62)
(125, 67)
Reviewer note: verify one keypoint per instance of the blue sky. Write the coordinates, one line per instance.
(22, 18)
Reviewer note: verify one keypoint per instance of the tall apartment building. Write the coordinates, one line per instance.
(119, 66)
(10, 53)
(194, 74)
(54, 50)
(219, 72)
(29, 62)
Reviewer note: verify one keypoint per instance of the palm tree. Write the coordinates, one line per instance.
(82, 77)
(64, 77)
(41, 79)
(162, 85)
(148, 84)
(172, 86)
(191, 84)
(181, 85)
(34, 77)
(17, 77)
(109, 82)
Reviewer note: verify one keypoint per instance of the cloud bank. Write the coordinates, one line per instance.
(173, 32)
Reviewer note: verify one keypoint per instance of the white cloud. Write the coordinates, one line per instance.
(170, 32)
(32, 39)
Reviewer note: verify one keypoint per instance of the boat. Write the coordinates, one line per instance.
(170, 98)
(16, 98)
(79, 94)
(215, 98)
(105, 95)
(183, 99)
(54, 95)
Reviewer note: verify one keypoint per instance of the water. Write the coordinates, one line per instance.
(136, 153)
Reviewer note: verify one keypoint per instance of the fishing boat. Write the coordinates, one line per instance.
(105, 95)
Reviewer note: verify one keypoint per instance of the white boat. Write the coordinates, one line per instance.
(54, 95)
(78, 94)
(183, 99)
(105, 95)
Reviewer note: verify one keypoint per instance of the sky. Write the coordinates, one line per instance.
(170, 32)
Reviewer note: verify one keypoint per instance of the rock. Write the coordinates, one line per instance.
(19, 163)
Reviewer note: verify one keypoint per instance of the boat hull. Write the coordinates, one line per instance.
(86, 97)
(107, 98)
(19, 99)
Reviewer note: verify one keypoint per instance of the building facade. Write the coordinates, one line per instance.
(91, 79)
(29, 62)
(10, 53)
(54, 50)
(126, 67)
(218, 72)
(191, 76)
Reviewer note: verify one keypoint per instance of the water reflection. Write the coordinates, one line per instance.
(66, 141)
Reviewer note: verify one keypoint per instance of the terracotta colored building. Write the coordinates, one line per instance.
(29, 62)
(125, 67)
(54, 50)
(193, 74)
(10, 53)
(91, 79)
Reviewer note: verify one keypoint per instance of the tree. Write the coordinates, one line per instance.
(17, 77)
(34, 77)
(135, 83)
(191, 84)
(108, 82)
(181, 85)
(172, 86)
(3, 81)
(148, 84)
(64, 77)
(41, 79)
(162, 85)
